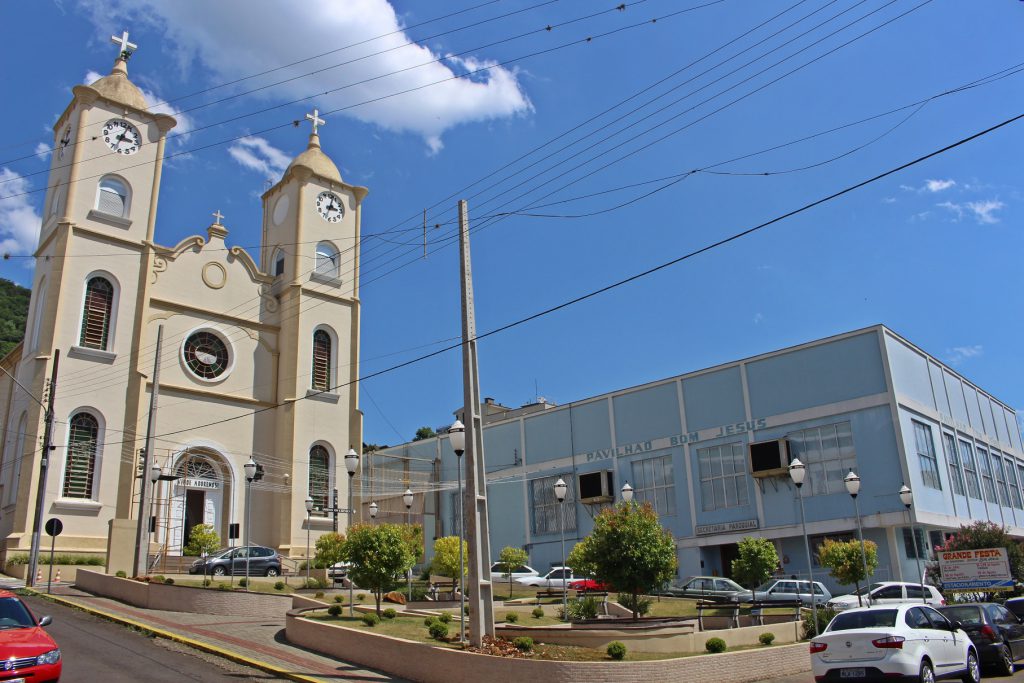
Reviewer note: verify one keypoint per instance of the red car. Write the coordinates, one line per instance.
(27, 653)
(588, 586)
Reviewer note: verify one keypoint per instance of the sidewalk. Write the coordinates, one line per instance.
(256, 642)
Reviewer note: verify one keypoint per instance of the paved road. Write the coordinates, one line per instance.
(96, 650)
(985, 675)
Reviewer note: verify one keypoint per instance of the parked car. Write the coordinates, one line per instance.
(338, 571)
(898, 640)
(704, 588)
(558, 578)
(522, 571)
(890, 593)
(589, 586)
(27, 652)
(262, 561)
(786, 590)
(1016, 606)
(996, 632)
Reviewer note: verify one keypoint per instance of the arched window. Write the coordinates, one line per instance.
(321, 361)
(278, 263)
(96, 312)
(37, 315)
(327, 260)
(319, 477)
(83, 431)
(12, 463)
(114, 197)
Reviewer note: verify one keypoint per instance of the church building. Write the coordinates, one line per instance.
(259, 354)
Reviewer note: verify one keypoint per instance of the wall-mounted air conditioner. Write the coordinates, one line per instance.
(596, 487)
(769, 458)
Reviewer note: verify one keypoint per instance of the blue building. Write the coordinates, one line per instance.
(867, 400)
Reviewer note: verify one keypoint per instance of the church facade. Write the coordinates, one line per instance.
(259, 351)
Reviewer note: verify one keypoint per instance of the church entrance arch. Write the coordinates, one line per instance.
(202, 486)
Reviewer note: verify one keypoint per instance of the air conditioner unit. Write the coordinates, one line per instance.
(596, 487)
(769, 458)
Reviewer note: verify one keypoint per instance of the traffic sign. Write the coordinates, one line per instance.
(54, 526)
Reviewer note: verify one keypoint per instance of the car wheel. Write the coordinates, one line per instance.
(272, 571)
(927, 675)
(219, 571)
(973, 673)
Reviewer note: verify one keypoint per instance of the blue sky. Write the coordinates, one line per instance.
(933, 252)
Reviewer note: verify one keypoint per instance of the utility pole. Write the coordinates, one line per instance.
(44, 463)
(140, 566)
(474, 502)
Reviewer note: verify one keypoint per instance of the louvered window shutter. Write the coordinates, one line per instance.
(99, 297)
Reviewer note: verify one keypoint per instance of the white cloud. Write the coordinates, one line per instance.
(758, 318)
(888, 200)
(262, 40)
(157, 106)
(959, 354)
(937, 185)
(256, 154)
(43, 151)
(954, 208)
(19, 222)
(982, 210)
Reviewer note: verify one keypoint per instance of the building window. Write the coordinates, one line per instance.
(970, 469)
(1020, 474)
(327, 260)
(319, 479)
(1014, 483)
(654, 482)
(37, 315)
(96, 312)
(956, 476)
(986, 476)
(113, 198)
(278, 263)
(321, 360)
(828, 453)
(908, 544)
(206, 355)
(997, 469)
(926, 455)
(546, 507)
(12, 463)
(723, 476)
(83, 432)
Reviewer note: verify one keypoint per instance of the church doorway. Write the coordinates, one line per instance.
(200, 490)
(195, 506)
(729, 552)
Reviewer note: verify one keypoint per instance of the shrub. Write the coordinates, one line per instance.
(582, 609)
(120, 574)
(169, 581)
(243, 583)
(766, 638)
(511, 617)
(279, 585)
(465, 610)
(616, 650)
(538, 612)
(339, 598)
(429, 620)
(313, 583)
(445, 617)
(207, 582)
(318, 594)
(223, 587)
(202, 539)
(159, 578)
(87, 560)
(334, 610)
(370, 619)
(641, 605)
(390, 613)
(438, 630)
(825, 615)
(523, 643)
(714, 645)
(360, 596)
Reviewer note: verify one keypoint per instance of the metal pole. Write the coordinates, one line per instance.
(408, 520)
(351, 598)
(863, 552)
(309, 560)
(142, 551)
(49, 579)
(44, 463)
(917, 552)
(462, 570)
(248, 510)
(807, 547)
(565, 581)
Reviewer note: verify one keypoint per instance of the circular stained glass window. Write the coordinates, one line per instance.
(206, 355)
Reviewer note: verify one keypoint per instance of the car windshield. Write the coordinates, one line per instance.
(965, 614)
(732, 585)
(13, 614)
(865, 589)
(866, 619)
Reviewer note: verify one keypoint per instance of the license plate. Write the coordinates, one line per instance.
(852, 673)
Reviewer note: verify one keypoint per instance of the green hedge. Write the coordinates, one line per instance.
(44, 558)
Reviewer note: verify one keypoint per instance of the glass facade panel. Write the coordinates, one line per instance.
(828, 453)
(723, 476)
(986, 476)
(655, 484)
(1014, 484)
(997, 470)
(546, 508)
(970, 469)
(956, 475)
(926, 455)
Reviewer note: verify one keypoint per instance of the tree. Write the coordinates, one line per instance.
(413, 535)
(976, 536)
(377, 553)
(510, 558)
(756, 562)
(578, 559)
(629, 549)
(423, 433)
(330, 549)
(202, 540)
(845, 563)
(446, 557)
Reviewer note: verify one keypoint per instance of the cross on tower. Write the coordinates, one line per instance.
(217, 216)
(315, 118)
(127, 48)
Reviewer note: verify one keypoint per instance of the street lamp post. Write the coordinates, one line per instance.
(407, 499)
(351, 465)
(627, 493)
(907, 498)
(457, 435)
(560, 490)
(309, 560)
(852, 482)
(155, 472)
(373, 510)
(797, 472)
(250, 474)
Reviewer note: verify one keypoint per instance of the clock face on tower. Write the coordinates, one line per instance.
(121, 136)
(329, 206)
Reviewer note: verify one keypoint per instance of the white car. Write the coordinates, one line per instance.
(498, 573)
(889, 593)
(892, 641)
(558, 577)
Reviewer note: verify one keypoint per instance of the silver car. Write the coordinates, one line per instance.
(787, 590)
(713, 588)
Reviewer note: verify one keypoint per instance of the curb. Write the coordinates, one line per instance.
(184, 640)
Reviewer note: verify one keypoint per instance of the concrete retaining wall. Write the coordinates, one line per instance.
(68, 572)
(429, 664)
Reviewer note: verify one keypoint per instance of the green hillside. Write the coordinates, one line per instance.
(13, 314)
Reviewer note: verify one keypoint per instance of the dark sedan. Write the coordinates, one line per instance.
(997, 634)
(255, 560)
